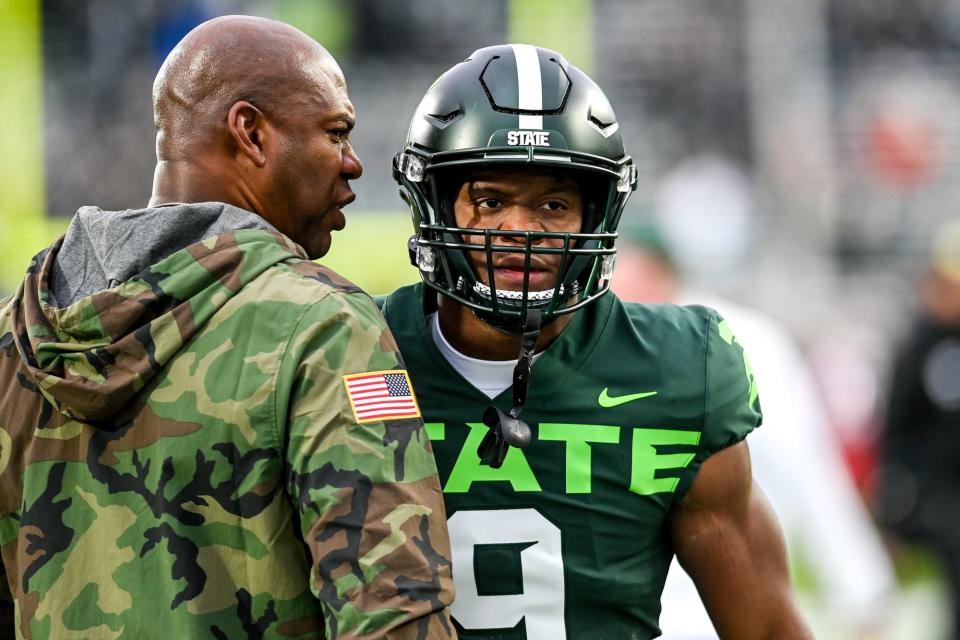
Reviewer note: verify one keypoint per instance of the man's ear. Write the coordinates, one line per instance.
(248, 128)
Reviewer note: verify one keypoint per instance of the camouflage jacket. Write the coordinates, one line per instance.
(180, 457)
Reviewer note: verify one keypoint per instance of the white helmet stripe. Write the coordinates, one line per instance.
(529, 86)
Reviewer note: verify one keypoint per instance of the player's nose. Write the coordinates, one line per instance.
(520, 218)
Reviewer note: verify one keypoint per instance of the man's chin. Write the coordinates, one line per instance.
(319, 247)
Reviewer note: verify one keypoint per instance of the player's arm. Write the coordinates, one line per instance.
(727, 538)
(369, 499)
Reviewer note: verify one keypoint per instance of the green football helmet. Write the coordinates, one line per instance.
(514, 105)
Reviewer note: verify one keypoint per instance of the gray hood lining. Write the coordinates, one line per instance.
(103, 249)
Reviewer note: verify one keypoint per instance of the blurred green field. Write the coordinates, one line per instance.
(372, 251)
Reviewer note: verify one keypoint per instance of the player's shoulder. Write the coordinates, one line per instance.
(409, 296)
(693, 321)
(674, 337)
(404, 307)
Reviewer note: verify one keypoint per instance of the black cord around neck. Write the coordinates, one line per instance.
(506, 429)
(521, 372)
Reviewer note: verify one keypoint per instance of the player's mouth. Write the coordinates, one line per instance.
(509, 273)
(513, 279)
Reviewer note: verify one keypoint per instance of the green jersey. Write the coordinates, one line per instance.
(567, 539)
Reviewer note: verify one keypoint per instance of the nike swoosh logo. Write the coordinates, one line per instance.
(606, 401)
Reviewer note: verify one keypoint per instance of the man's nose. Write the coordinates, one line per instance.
(351, 168)
(519, 218)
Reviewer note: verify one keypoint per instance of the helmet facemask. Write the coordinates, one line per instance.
(442, 253)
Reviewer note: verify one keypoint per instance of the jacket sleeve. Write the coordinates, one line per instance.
(366, 488)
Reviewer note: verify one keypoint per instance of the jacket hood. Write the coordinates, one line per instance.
(90, 358)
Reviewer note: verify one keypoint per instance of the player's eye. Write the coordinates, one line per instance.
(487, 203)
(339, 134)
(554, 206)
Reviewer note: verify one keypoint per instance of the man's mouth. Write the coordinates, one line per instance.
(512, 278)
(339, 219)
(512, 261)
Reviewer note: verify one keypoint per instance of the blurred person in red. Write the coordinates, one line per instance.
(919, 486)
(795, 457)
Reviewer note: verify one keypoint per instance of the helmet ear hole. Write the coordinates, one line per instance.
(591, 217)
(593, 192)
(448, 184)
(447, 212)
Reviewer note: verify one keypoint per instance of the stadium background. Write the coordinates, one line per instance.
(823, 131)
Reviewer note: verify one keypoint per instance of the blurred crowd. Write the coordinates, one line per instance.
(798, 170)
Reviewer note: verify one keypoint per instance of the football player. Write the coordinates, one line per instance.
(582, 442)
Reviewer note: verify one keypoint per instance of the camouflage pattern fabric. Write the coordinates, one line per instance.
(178, 458)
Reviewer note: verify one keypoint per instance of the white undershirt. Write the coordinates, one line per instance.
(489, 376)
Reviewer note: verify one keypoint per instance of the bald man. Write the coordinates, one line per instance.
(203, 434)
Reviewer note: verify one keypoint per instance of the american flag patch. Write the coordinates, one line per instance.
(381, 395)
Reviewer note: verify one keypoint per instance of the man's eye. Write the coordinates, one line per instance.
(488, 203)
(554, 205)
(339, 134)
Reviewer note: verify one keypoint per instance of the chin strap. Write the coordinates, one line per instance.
(506, 429)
